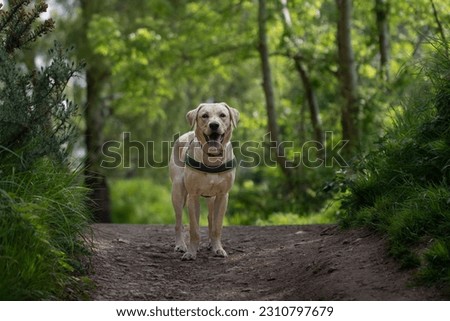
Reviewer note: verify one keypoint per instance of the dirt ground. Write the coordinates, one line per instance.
(313, 262)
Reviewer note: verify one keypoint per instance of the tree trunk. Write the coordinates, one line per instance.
(268, 90)
(382, 14)
(311, 98)
(96, 75)
(347, 76)
(96, 181)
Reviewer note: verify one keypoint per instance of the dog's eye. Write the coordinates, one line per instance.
(204, 116)
(222, 115)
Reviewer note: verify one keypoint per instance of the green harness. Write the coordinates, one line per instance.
(225, 167)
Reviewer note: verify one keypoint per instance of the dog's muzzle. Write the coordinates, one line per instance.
(214, 141)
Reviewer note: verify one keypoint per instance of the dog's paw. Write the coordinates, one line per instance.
(181, 248)
(188, 256)
(220, 252)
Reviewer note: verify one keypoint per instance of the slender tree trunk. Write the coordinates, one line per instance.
(96, 75)
(268, 90)
(311, 97)
(94, 139)
(347, 76)
(382, 15)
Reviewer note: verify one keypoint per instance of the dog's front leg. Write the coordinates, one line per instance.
(194, 227)
(211, 210)
(220, 207)
(178, 201)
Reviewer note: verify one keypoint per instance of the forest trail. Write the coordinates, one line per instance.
(312, 262)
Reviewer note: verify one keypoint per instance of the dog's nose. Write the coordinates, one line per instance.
(214, 126)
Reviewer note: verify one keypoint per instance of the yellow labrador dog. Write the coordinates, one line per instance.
(203, 164)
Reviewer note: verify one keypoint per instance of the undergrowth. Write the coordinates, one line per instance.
(140, 201)
(143, 201)
(402, 187)
(43, 224)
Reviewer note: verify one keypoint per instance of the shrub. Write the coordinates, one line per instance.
(43, 218)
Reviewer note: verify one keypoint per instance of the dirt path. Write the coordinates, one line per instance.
(316, 262)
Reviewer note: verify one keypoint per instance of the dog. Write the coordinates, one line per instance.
(202, 164)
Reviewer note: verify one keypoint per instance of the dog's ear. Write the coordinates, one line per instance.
(191, 116)
(234, 115)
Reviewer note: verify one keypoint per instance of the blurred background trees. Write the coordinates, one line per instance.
(336, 66)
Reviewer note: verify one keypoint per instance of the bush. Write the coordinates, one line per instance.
(43, 216)
(402, 187)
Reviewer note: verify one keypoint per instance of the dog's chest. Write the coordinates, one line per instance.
(207, 184)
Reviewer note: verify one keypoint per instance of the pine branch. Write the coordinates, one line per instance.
(35, 115)
(43, 28)
(17, 24)
(8, 16)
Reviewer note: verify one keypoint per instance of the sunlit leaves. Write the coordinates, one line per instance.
(105, 37)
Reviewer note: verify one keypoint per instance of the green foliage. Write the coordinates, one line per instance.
(19, 26)
(143, 201)
(43, 221)
(35, 118)
(326, 215)
(140, 201)
(35, 113)
(402, 187)
(43, 214)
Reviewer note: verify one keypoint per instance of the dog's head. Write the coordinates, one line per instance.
(213, 124)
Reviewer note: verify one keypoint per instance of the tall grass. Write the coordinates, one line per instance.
(43, 223)
(402, 188)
